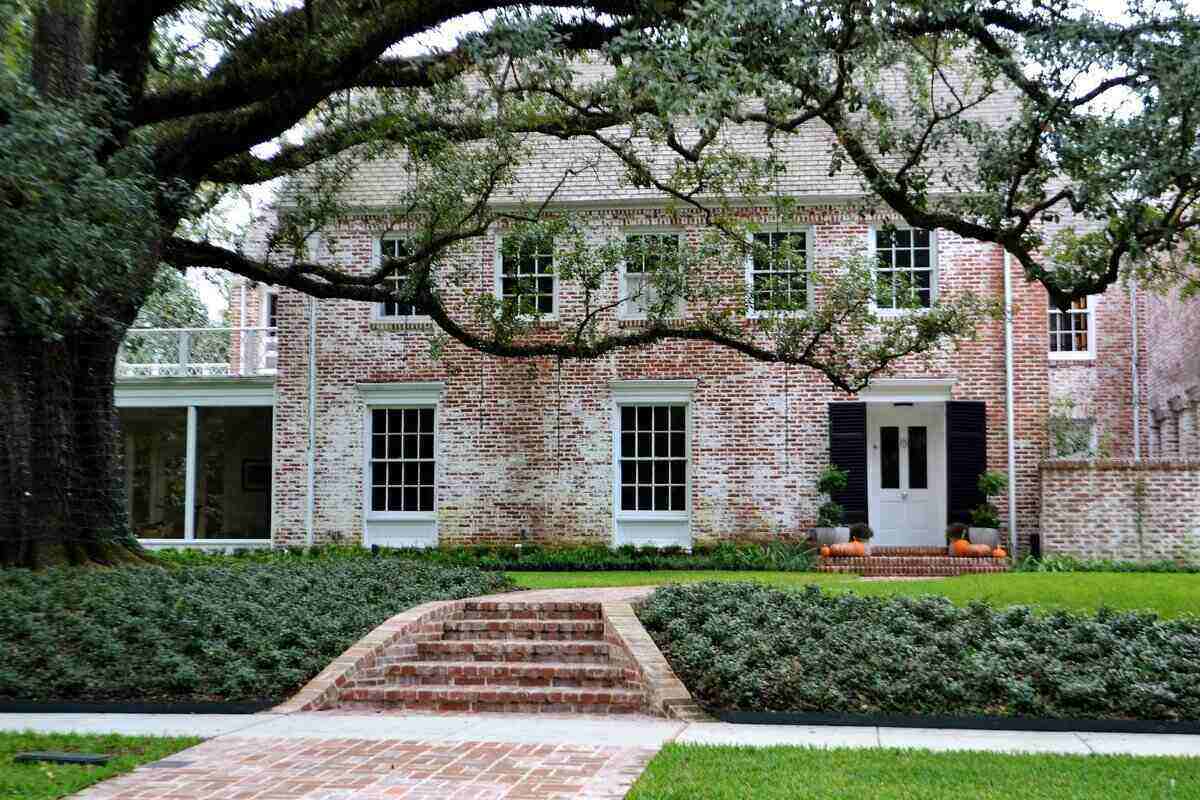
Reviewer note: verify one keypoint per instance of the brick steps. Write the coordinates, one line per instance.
(545, 630)
(472, 673)
(515, 699)
(882, 564)
(500, 656)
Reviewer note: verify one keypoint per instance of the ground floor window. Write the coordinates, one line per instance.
(403, 474)
(198, 472)
(653, 457)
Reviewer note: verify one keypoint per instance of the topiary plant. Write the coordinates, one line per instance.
(955, 531)
(861, 532)
(832, 479)
(986, 515)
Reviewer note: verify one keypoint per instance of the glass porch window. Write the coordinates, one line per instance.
(653, 457)
(155, 454)
(233, 473)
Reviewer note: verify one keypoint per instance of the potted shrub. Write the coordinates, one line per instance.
(985, 518)
(956, 539)
(861, 534)
(829, 528)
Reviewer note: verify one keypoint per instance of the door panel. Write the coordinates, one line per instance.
(906, 473)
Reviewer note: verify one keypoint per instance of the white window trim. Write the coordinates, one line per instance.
(641, 392)
(400, 395)
(810, 252)
(377, 314)
(935, 272)
(263, 310)
(622, 284)
(497, 285)
(1077, 355)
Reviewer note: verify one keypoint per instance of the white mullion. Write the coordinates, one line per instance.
(189, 495)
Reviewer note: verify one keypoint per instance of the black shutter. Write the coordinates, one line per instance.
(966, 456)
(848, 450)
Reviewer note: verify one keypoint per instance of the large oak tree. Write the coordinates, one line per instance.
(121, 120)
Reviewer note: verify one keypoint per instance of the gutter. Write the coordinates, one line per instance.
(1008, 405)
(1133, 365)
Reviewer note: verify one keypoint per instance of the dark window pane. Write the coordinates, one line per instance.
(920, 238)
(903, 237)
(921, 259)
(662, 472)
(628, 418)
(660, 418)
(379, 499)
(395, 442)
(662, 498)
(678, 471)
(645, 471)
(661, 448)
(378, 421)
(545, 304)
(426, 420)
(918, 460)
(628, 498)
(645, 498)
(883, 239)
(678, 445)
(411, 473)
(426, 445)
(645, 418)
(677, 418)
(395, 500)
(411, 498)
(628, 472)
(426, 499)
(678, 498)
(426, 473)
(628, 444)
(643, 448)
(410, 420)
(921, 280)
(903, 259)
(410, 446)
(889, 457)
(395, 473)
(378, 447)
(378, 474)
(394, 417)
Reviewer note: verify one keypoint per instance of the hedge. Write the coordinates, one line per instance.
(237, 631)
(1056, 563)
(743, 646)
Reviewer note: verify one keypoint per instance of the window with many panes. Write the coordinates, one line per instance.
(390, 248)
(905, 273)
(403, 474)
(527, 274)
(644, 254)
(653, 458)
(1071, 330)
(778, 271)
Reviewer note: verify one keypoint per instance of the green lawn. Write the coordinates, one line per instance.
(46, 781)
(1169, 594)
(691, 772)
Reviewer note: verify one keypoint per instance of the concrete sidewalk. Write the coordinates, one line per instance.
(594, 731)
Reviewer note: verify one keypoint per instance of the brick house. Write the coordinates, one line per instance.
(332, 421)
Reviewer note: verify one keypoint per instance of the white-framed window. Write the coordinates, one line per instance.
(391, 310)
(525, 275)
(653, 457)
(1073, 332)
(270, 307)
(905, 267)
(644, 253)
(402, 461)
(777, 271)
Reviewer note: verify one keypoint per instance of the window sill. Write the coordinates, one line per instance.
(417, 324)
(652, 516)
(401, 516)
(643, 322)
(1072, 358)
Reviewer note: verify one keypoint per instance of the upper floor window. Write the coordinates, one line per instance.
(644, 254)
(777, 272)
(905, 268)
(1072, 331)
(395, 247)
(527, 277)
(270, 307)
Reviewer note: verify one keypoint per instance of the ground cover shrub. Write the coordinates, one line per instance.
(1055, 563)
(769, 555)
(239, 630)
(744, 646)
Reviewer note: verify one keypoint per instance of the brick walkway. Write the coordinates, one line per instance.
(243, 768)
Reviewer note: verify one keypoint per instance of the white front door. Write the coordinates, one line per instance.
(906, 473)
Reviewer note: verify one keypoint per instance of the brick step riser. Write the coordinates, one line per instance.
(523, 636)
(849, 561)
(505, 708)
(537, 652)
(496, 683)
(931, 573)
(524, 626)
(531, 615)
(533, 696)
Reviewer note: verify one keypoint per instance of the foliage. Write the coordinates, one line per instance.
(52, 781)
(745, 646)
(1055, 563)
(1071, 435)
(237, 630)
(956, 530)
(832, 479)
(687, 771)
(986, 515)
(74, 225)
(554, 556)
(861, 532)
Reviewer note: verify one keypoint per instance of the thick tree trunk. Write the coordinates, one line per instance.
(61, 493)
(58, 47)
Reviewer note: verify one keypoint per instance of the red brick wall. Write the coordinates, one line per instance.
(527, 445)
(1173, 341)
(1121, 509)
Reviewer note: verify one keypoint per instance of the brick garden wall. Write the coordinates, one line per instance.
(1173, 340)
(526, 446)
(1121, 509)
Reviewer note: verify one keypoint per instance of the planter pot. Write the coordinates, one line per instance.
(839, 535)
(988, 536)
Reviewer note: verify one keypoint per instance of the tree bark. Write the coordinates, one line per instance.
(61, 495)
(58, 55)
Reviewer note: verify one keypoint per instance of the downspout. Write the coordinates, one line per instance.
(242, 333)
(1008, 403)
(1133, 365)
(310, 509)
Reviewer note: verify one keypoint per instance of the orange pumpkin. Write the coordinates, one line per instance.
(961, 548)
(859, 548)
(999, 552)
(825, 551)
(981, 550)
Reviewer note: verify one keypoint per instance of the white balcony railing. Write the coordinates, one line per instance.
(197, 352)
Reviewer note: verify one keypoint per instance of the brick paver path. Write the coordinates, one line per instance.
(233, 768)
